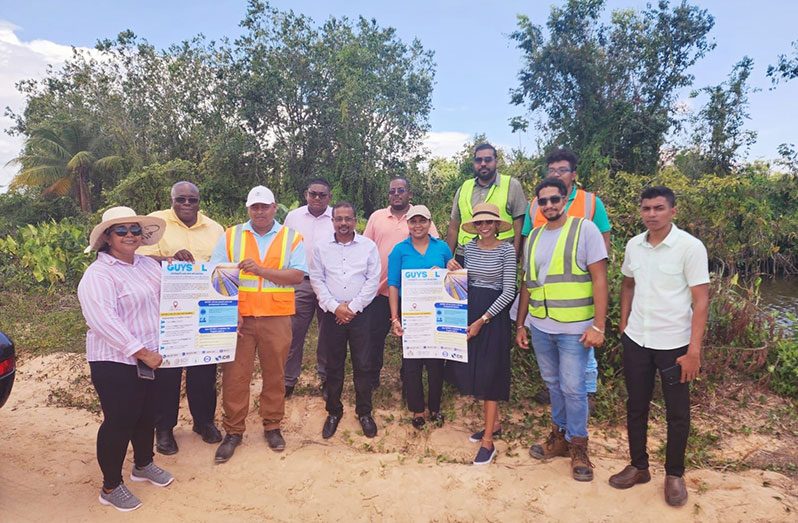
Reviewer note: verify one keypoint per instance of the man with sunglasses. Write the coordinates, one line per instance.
(561, 163)
(505, 192)
(190, 236)
(314, 222)
(565, 280)
(387, 227)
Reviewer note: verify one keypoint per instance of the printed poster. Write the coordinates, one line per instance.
(435, 314)
(199, 313)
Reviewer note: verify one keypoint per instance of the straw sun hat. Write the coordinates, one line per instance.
(152, 227)
(486, 212)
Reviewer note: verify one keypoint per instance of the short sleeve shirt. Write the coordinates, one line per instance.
(199, 239)
(662, 311)
(405, 256)
(516, 200)
(600, 217)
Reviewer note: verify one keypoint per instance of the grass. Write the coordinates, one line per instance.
(41, 323)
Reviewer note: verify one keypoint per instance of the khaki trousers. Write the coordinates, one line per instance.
(270, 338)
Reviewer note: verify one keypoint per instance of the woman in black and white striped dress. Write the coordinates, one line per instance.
(491, 265)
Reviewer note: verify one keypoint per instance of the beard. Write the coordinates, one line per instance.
(555, 217)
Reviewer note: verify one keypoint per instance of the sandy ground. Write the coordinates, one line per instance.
(48, 472)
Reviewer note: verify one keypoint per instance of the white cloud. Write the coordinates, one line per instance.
(20, 60)
(445, 144)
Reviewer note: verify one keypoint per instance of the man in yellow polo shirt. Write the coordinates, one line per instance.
(190, 236)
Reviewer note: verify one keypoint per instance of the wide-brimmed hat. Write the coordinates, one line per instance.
(486, 212)
(152, 227)
(418, 210)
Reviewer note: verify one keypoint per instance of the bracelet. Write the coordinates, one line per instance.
(601, 331)
(485, 318)
(518, 328)
(394, 320)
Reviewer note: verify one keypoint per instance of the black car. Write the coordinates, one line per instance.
(8, 367)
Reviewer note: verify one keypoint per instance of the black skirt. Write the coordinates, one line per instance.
(486, 376)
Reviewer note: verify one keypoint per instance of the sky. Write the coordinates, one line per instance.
(477, 63)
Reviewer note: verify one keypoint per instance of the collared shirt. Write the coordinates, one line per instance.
(120, 302)
(199, 239)
(405, 256)
(516, 200)
(386, 230)
(345, 273)
(310, 227)
(600, 217)
(662, 303)
(295, 261)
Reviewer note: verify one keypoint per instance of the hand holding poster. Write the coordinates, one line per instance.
(435, 314)
(199, 313)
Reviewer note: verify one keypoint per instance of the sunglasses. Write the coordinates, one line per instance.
(398, 190)
(483, 159)
(318, 195)
(122, 230)
(182, 200)
(554, 200)
(559, 171)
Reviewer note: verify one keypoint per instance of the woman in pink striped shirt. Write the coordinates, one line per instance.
(119, 296)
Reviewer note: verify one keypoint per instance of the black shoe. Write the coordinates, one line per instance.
(369, 427)
(289, 391)
(209, 433)
(227, 448)
(436, 418)
(418, 422)
(543, 397)
(165, 442)
(275, 440)
(330, 426)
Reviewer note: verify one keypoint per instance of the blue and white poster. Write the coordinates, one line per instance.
(199, 313)
(435, 314)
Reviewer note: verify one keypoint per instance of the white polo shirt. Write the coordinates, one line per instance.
(662, 302)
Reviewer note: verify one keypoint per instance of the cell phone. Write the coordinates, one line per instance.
(672, 375)
(144, 371)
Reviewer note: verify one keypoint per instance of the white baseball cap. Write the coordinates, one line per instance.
(260, 194)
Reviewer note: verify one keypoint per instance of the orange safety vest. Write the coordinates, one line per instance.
(256, 296)
(583, 206)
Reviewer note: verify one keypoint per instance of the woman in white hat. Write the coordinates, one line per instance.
(119, 296)
(491, 289)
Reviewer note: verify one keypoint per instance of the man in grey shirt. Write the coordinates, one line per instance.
(565, 274)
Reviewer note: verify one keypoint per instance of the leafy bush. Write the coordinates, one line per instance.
(45, 255)
(18, 209)
(783, 367)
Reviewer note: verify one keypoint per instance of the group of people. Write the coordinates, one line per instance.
(317, 264)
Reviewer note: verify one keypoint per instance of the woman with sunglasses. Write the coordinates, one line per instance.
(418, 251)
(119, 296)
(491, 289)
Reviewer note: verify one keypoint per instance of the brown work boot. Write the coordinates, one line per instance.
(675, 491)
(581, 467)
(555, 445)
(629, 477)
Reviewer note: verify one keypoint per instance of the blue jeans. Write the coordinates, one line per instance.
(591, 373)
(562, 361)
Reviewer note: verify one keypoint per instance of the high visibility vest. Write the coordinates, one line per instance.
(497, 195)
(257, 296)
(567, 294)
(583, 206)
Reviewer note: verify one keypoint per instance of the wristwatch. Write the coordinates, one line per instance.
(485, 318)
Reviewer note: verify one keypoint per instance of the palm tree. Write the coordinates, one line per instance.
(63, 159)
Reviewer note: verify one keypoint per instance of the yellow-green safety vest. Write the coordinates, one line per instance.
(497, 195)
(567, 294)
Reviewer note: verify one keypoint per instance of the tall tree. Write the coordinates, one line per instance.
(608, 90)
(787, 66)
(64, 159)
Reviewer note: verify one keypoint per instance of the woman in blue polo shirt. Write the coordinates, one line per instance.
(418, 251)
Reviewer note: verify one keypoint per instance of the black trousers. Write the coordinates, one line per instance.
(200, 390)
(414, 385)
(335, 338)
(380, 324)
(639, 367)
(128, 405)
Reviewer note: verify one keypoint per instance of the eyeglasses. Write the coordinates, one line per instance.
(483, 159)
(318, 195)
(342, 219)
(559, 171)
(182, 199)
(480, 223)
(554, 200)
(398, 190)
(122, 230)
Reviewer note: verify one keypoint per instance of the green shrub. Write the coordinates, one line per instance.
(783, 367)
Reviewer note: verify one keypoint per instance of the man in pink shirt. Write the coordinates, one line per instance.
(387, 227)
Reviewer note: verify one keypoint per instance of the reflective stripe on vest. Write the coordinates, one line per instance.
(497, 195)
(567, 294)
(284, 241)
(583, 206)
